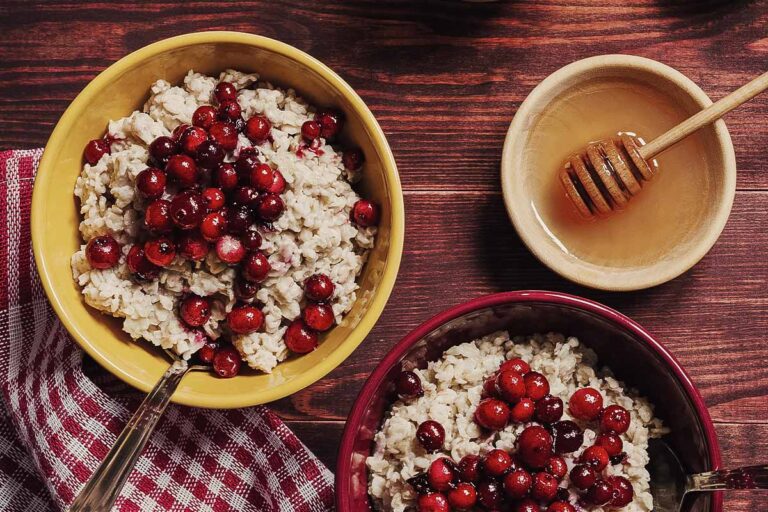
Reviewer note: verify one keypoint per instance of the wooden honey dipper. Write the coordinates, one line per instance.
(612, 171)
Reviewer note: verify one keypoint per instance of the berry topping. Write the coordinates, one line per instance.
(583, 477)
(157, 216)
(497, 463)
(230, 249)
(179, 131)
(523, 411)
(257, 129)
(192, 246)
(245, 319)
(229, 110)
(549, 409)
(536, 386)
(489, 387)
(95, 149)
(469, 468)
(160, 251)
(226, 176)
(535, 446)
(318, 316)
(195, 310)
(245, 290)
(419, 483)
(209, 154)
(251, 240)
(600, 493)
(238, 219)
(489, 494)
(431, 435)
(261, 177)
(318, 288)
(226, 362)
(544, 487)
(408, 385)
(561, 506)
(331, 122)
(139, 265)
(518, 365)
(214, 199)
(614, 419)
(463, 496)
(161, 149)
(224, 91)
(204, 116)
(191, 139)
(187, 209)
(182, 169)
(353, 159)
(207, 351)
(510, 386)
(527, 505)
(441, 474)
(224, 134)
(102, 252)
(151, 183)
(245, 164)
(255, 267)
(556, 467)
(433, 502)
(596, 457)
(245, 196)
(310, 130)
(623, 493)
(492, 414)
(213, 226)
(517, 484)
(278, 183)
(567, 436)
(585, 404)
(299, 338)
(611, 442)
(365, 213)
(269, 207)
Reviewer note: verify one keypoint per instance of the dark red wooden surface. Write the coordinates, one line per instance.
(444, 80)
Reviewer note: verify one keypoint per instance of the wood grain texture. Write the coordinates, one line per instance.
(444, 79)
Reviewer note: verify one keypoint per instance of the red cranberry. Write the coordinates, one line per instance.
(623, 493)
(255, 267)
(151, 183)
(245, 290)
(496, 463)
(517, 484)
(251, 240)
(527, 505)
(278, 183)
(224, 134)
(161, 149)
(179, 131)
(408, 385)
(510, 386)
(226, 362)
(310, 130)
(544, 487)
(420, 483)
(160, 251)
(536, 386)
(195, 310)
(331, 122)
(611, 442)
(535, 446)
(139, 264)
(269, 207)
(585, 404)
(214, 199)
(615, 419)
(433, 502)
(209, 155)
(257, 129)
(230, 250)
(207, 351)
(492, 414)
(489, 387)
(102, 252)
(192, 246)
(245, 164)
(523, 411)
(595, 456)
(224, 91)
(183, 169)
(213, 226)
(245, 319)
(226, 176)
(441, 474)
(469, 467)
(431, 435)
(489, 494)
(187, 209)
(353, 159)
(567, 436)
(518, 365)
(157, 216)
(245, 196)
(365, 213)
(204, 116)
(463, 496)
(318, 288)
(229, 111)
(191, 140)
(600, 493)
(561, 506)
(95, 149)
(318, 316)
(556, 467)
(239, 125)
(583, 477)
(549, 409)
(238, 219)
(261, 177)
(299, 338)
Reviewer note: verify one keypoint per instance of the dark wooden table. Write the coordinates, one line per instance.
(444, 80)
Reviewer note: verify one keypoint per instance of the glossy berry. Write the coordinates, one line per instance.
(245, 196)
(518, 365)
(433, 502)
(224, 134)
(209, 155)
(245, 164)
(226, 176)
(245, 290)
(489, 494)
(261, 177)
(544, 487)
(255, 267)
(207, 351)
(318, 316)
(229, 111)
(310, 130)
(299, 338)
(224, 91)
(245, 319)
(582, 476)
(527, 505)
(431, 435)
(489, 387)
(226, 362)
(257, 129)
(522, 411)
(614, 418)
(102, 252)
(556, 467)
(251, 240)
(161, 149)
(318, 288)
(561, 506)
(213, 226)
(600, 493)
(623, 493)
(420, 483)
(157, 216)
(179, 131)
(408, 385)
(492, 414)
(496, 463)
(536, 386)
(160, 251)
(469, 468)
(195, 310)
(214, 199)
(585, 404)
(204, 116)
(269, 207)
(463, 496)
(192, 246)
(187, 209)
(151, 183)
(567, 436)
(534, 446)
(365, 213)
(596, 457)
(353, 159)
(611, 442)
(510, 386)
(95, 149)
(230, 249)
(331, 122)
(549, 409)
(441, 474)
(191, 139)
(183, 170)
(278, 183)
(239, 219)
(139, 265)
(517, 484)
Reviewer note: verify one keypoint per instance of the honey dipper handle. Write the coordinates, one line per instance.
(705, 117)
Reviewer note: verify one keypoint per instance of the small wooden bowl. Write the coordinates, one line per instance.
(517, 174)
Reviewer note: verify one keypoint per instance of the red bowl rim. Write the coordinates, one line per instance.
(343, 466)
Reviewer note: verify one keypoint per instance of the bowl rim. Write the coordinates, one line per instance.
(346, 447)
(397, 228)
(617, 279)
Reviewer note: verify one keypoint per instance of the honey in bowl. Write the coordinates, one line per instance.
(656, 221)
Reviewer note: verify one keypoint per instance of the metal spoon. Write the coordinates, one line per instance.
(101, 491)
(670, 485)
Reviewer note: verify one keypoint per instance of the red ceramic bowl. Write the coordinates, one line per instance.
(633, 354)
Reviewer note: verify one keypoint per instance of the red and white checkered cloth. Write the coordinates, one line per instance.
(59, 416)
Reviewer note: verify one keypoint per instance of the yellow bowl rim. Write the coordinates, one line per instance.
(397, 229)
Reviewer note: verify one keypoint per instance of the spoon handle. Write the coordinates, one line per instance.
(101, 491)
(747, 477)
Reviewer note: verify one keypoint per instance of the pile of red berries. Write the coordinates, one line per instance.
(195, 202)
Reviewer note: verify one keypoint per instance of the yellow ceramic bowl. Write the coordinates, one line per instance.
(123, 88)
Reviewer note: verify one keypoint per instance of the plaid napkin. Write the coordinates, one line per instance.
(61, 413)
